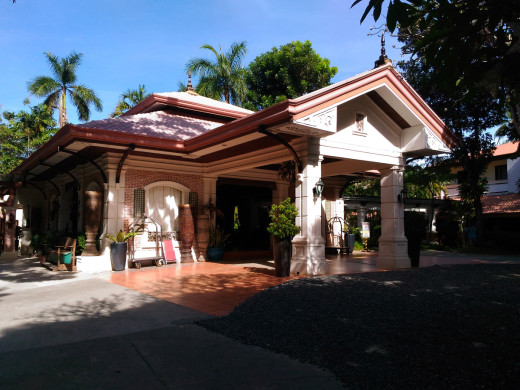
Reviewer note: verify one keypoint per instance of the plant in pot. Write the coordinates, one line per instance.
(41, 244)
(118, 249)
(283, 229)
(39, 247)
(216, 241)
(415, 224)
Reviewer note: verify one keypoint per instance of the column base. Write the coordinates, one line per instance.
(393, 253)
(90, 250)
(308, 257)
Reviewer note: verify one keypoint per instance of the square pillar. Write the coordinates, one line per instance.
(309, 245)
(393, 245)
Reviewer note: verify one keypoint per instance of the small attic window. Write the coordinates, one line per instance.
(359, 129)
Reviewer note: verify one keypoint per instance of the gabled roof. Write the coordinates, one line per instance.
(385, 81)
(190, 102)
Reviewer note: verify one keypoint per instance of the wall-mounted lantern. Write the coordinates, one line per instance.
(402, 196)
(318, 188)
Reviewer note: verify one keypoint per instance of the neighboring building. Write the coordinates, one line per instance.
(501, 203)
(180, 148)
(503, 173)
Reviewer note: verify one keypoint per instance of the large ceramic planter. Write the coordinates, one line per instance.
(187, 232)
(215, 254)
(118, 255)
(93, 202)
(351, 240)
(282, 256)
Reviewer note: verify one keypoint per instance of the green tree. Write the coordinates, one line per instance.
(55, 90)
(469, 116)
(22, 134)
(129, 99)
(427, 180)
(362, 187)
(223, 77)
(474, 42)
(287, 72)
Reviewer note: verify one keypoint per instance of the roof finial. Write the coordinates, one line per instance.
(189, 88)
(383, 59)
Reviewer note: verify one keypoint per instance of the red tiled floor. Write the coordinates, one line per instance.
(216, 288)
(212, 288)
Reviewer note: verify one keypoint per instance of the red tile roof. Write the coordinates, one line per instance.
(157, 124)
(501, 204)
(507, 148)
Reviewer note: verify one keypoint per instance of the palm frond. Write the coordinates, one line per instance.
(42, 86)
(236, 54)
(81, 105)
(69, 65)
(55, 64)
(211, 48)
(88, 95)
(200, 66)
(83, 97)
(52, 100)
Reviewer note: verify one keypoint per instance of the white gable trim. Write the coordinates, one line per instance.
(420, 140)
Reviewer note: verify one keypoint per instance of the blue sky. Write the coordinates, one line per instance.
(131, 42)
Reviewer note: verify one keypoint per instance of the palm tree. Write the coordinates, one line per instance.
(129, 99)
(55, 90)
(223, 77)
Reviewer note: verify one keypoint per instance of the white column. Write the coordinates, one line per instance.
(393, 245)
(309, 245)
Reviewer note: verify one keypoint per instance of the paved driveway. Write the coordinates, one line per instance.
(78, 331)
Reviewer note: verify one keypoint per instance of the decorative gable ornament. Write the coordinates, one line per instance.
(318, 124)
(421, 141)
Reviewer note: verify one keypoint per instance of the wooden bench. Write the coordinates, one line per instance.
(64, 256)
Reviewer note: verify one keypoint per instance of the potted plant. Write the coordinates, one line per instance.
(415, 224)
(41, 243)
(216, 241)
(118, 249)
(283, 229)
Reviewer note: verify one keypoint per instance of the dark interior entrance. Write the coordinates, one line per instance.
(244, 213)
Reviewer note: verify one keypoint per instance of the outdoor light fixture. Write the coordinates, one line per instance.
(402, 196)
(318, 188)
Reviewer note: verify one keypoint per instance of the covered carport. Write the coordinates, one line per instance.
(372, 121)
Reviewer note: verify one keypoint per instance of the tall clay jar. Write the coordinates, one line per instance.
(93, 205)
(187, 229)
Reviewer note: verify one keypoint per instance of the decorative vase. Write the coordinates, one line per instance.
(282, 256)
(118, 255)
(187, 230)
(93, 202)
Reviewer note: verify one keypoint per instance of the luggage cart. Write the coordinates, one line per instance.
(337, 237)
(142, 225)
